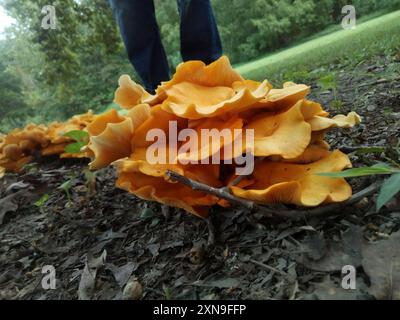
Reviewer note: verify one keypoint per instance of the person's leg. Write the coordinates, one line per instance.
(139, 30)
(199, 33)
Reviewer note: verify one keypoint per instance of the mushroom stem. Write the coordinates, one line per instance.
(271, 211)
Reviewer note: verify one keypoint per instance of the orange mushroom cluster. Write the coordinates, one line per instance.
(289, 146)
(17, 148)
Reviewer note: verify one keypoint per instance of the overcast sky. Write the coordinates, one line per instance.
(5, 20)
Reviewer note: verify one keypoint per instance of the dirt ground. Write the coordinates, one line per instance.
(98, 242)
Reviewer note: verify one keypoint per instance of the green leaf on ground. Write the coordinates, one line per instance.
(41, 202)
(328, 82)
(147, 214)
(389, 189)
(66, 185)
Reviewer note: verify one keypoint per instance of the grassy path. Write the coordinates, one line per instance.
(367, 38)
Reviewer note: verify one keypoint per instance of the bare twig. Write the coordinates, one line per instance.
(265, 266)
(379, 81)
(349, 149)
(372, 83)
(272, 211)
(220, 193)
(238, 179)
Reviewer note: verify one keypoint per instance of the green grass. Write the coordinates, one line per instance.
(376, 36)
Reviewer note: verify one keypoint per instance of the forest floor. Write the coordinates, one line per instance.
(98, 242)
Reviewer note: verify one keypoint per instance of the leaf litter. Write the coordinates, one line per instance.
(104, 240)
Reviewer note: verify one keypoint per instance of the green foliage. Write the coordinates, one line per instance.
(360, 172)
(168, 20)
(249, 29)
(168, 294)
(77, 135)
(328, 82)
(30, 168)
(379, 36)
(266, 25)
(66, 187)
(364, 7)
(389, 188)
(42, 201)
(10, 90)
(90, 178)
(74, 147)
(81, 137)
(147, 214)
(61, 72)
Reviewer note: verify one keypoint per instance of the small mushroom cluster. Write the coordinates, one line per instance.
(289, 146)
(18, 147)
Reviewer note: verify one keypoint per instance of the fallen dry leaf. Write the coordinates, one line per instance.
(88, 277)
(123, 273)
(329, 290)
(332, 256)
(381, 261)
(9, 203)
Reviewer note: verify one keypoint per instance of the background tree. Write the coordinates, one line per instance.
(50, 74)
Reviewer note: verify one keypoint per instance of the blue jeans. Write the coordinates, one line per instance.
(139, 30)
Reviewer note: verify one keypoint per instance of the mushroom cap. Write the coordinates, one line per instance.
(298, 184)
(194, 101)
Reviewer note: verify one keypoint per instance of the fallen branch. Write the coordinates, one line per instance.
(372, 83)
(220, 193)
(379, 81)
(274, 211)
